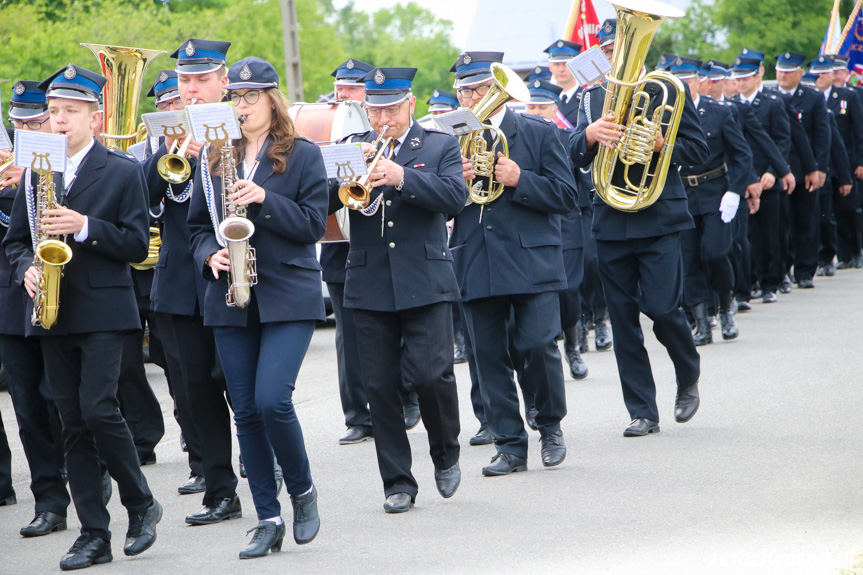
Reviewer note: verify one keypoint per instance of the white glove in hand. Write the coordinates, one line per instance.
(728, 206)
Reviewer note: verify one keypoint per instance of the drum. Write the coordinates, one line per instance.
(324, 124)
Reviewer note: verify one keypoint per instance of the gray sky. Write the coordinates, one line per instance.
(461, 12)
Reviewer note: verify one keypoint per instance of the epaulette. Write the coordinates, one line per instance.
(541, 119)
(122, 154)
(434, 129)
(350, 137)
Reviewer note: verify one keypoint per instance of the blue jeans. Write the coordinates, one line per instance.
(261, 362)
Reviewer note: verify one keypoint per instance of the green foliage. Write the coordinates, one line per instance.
(42, 36)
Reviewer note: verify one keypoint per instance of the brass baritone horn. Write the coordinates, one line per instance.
(506, 86)
(355, 191)
(631, 176)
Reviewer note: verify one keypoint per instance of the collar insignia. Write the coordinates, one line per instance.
(415, 142)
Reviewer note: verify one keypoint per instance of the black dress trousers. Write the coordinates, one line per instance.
(418, 343)
(352, 390)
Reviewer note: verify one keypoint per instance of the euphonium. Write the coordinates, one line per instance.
(505, 87)
(355, 191)
(236, 229)
(630, 177)
(50, 254)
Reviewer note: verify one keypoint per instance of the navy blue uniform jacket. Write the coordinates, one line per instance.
(517, 247)
(12, 296)
(287, 225)
(848, 113)
(727, 145)
(177, 289)
(408, 265)
(96, 292)
(770, 112)
(670, 213)
(809, 107)
(759, 141)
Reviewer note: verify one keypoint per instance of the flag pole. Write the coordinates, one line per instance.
(574, 13)
(848, 25)
(834, 15)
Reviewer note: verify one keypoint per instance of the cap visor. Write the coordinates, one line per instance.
(25, 113)
(250, 85)
(167, 97)
(737, 74)
(787, 67)
(381, 100)
(349, 82)
(540, 100)
(606, 42)
(71, 95)
(195, 69)
(561, 57)
(473, 80)
(440, 108)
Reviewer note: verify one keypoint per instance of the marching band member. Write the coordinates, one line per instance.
(400, 284)
(178, 296)
(22, 356)
(510, 264)
(104, 213)
(283, 185)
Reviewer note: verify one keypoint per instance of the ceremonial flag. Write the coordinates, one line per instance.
(583, 25)
(851, 42)
(833, 35)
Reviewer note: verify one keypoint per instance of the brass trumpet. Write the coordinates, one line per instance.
(173, 166)
(355, 191)
(4, 165)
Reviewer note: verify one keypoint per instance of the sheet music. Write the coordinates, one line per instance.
(458, 122)
(213, 122)
(589, 66)
(169, 124)
(344, 160)
(34, 145)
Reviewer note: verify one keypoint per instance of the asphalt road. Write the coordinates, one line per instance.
(765, 479)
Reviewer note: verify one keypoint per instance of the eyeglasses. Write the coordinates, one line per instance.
(251, 97)
(32, 124)
(174, 104)
(390, 111)
(468, 92)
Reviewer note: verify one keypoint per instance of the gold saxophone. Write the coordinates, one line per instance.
(631, 176)
(235, 227)
(51, 254)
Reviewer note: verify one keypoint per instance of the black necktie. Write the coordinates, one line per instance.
(564, 99)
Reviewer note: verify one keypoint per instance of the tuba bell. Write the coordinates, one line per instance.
(506, 86)
(630, 177)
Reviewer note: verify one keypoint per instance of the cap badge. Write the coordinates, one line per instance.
(536, 84)
(560, 43)
(350, 65)
(163, 76)
(608, 27)
(19, 88)
(737, 62)
(190, 49)
(379, 77)
(70, 72)
(245, 73)
(467, 59)
(787, 55)
(678, 62)
(436, 94)
(745, 51)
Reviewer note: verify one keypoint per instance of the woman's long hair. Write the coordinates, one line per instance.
(281, 136)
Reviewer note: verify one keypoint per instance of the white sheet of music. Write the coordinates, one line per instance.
(213, 122)
(458, 122)
(589, 66)
(169, 124)
(39, 150)
(344, 160)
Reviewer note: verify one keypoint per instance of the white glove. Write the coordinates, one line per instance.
(728, 206)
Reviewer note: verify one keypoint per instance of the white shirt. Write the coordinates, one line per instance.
(401, 140)
(751, 98)
(827, 94)
(696, 100)
(72, 165)
(496, 119)
(570, 94)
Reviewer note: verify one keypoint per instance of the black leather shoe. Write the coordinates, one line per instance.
(11, 500)
(44, 523)
(744, 306)
(86, 551)
(307, 523)
(844, 265)
(482, 437)
(830, 269)
(530, 413)
(504, 464)
(577, 365)
(459, 348)
(703, 333)
(242, 467)
(268, 536)
(687, 403)
(142, 529)
(769, 297)
(355, 435)
(412, 416)
(640, 427)
(147, 458)
(729, 326)
(581, 336)
(805, 284)
(447, 480)
(785, 286)
(858, 261)
(398, 503)
(195, 484)
(553, 449)
(602, 336)
(226, 508)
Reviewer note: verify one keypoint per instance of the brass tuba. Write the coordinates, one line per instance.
(355, 191)
(506, 86)
(630, 177)
(50, 254)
